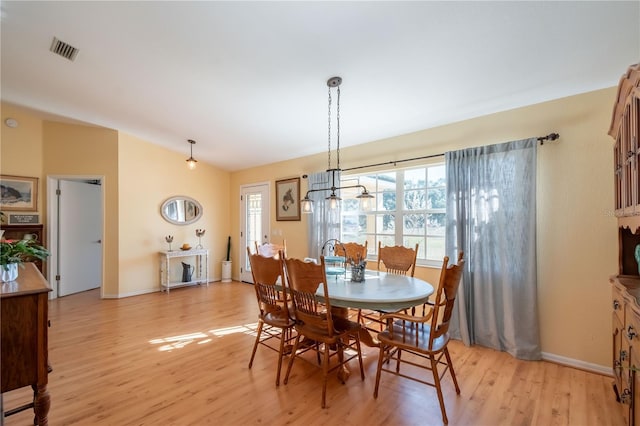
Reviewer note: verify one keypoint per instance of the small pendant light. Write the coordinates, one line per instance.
(191, 162)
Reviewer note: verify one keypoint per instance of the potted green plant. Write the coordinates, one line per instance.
(14, 253)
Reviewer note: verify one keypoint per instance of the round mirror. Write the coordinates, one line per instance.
(181, 210)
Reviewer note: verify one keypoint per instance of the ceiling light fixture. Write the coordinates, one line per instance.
(191, 162)
(306, 204)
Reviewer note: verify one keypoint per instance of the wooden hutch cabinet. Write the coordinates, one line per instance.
(625, 130)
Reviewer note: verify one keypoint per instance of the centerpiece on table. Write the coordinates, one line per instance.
(14, 253)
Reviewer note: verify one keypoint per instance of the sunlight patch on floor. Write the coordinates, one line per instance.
(180, 341)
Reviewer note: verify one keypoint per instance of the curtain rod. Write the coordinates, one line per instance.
(541, 139)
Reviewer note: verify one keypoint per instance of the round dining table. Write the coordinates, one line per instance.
(379, 291)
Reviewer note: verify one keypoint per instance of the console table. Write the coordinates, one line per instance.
(169, 279)
(24, 311)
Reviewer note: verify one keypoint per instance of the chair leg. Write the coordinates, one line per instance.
(360, 356)
(325, 375)
(451, 371)
(399, 352)
(436, 380)
(379, 370)
(255, 345)
(283, 338)
(291, 358)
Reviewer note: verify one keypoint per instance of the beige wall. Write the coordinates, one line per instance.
(71, 150)
(577, 245)
(148, 175)
(21, 147)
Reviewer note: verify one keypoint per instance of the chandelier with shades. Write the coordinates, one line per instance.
(306, 204)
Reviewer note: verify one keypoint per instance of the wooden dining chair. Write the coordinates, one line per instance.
(425, 337)
(274, 319)
(315, 321)
(398, 260)
(271, 249)
(351, 251)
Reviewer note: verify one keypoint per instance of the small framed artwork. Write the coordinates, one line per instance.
(288, 199)
(18, 193)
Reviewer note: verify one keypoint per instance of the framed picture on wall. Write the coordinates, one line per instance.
(18, 193)
(288, 199)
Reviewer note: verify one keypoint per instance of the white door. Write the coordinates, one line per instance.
(79, 236)
(254, 222)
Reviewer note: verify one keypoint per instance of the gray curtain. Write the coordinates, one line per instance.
(491, 216)
(323, 223)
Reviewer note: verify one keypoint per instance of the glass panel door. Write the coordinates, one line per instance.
(254, 223)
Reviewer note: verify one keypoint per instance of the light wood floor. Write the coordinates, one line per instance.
(181, 359)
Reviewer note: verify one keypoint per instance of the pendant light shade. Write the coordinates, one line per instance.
(191, 162)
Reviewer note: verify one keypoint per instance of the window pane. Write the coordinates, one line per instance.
(386, 241)
(435, 224)
(435, 248)
(386, 181)
(415, 200)
(411, 243)
(387, 200)
(436, 175)
(437, 198)
(349, 204)
(386, 223)
(415, 178)
(414, 224)
(371, 245)
(350, 228)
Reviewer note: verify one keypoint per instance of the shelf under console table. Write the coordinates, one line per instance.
(200, 273)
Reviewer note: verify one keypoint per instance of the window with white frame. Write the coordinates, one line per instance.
(409, 208)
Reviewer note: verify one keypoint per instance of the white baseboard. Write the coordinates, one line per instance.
(133, 293)
(576, 363)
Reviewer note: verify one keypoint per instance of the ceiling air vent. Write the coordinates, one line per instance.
(63, 49)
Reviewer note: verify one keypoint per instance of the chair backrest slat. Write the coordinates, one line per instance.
(267, 272)
(398, 260)
(450, 277)
(303, 279)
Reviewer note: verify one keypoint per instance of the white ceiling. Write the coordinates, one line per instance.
(247, 80)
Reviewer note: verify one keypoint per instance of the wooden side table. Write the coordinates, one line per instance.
(200, 272)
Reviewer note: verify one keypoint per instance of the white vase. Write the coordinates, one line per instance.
(8, 272)
(226, 271)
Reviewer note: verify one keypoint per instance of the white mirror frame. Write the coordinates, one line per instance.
(181, 217)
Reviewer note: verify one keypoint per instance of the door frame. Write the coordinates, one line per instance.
(242, 253)
(52, 227)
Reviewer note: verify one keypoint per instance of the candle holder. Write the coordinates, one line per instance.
(199, 234)
(169, 240)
